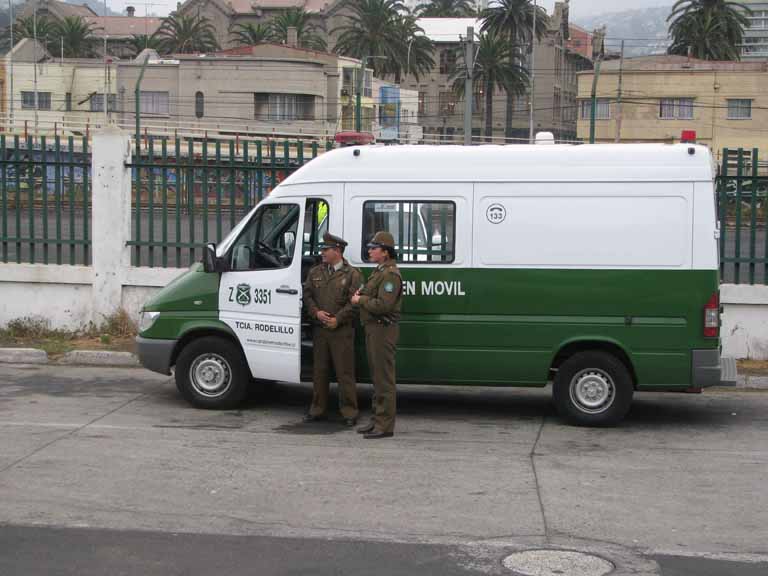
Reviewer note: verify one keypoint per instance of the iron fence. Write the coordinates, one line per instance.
(188, 192)
(45, 192)
(742, 187)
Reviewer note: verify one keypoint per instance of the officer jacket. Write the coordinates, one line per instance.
(381, 297)
(330, 290)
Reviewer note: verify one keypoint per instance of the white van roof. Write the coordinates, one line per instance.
(521, 163)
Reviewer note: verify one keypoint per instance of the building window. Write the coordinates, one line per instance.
(447, 61)
(755, 46)
(68, 102)
(602, 110)
(199, 104)
(422, 103)
(423, 231)
(285, 107)
(447, 103)
(43, 100)
(676, 108)
(739, 109)
(557, 105)
(97, 103)
(154, 103)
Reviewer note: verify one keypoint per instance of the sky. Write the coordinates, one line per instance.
(579, 8)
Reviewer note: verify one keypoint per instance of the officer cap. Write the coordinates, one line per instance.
(331, 241)
(382, 240)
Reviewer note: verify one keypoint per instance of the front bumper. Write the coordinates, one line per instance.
(711, 369)
(155, 354)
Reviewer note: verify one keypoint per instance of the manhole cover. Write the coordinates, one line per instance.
(557, 563)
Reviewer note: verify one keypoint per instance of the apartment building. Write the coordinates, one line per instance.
(725, 103)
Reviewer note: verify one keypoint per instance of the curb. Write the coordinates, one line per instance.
(23, 356)
(74, 358)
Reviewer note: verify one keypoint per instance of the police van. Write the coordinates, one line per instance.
(593, 267)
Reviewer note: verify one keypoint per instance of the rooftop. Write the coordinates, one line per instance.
(667, 62)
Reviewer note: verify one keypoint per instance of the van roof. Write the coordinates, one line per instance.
(522, 163)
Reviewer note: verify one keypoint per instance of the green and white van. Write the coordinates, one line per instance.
(594, 267)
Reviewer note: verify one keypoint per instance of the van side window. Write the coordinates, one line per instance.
(423, 231)
(316, 217)
(268, 240)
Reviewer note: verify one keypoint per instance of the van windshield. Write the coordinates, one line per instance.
(268, 239)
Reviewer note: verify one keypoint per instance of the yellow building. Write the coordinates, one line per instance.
(725, 103)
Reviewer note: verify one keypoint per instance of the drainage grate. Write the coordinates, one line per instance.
(557, 563)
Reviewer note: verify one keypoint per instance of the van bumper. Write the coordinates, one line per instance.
(711, 369)
(155, 354)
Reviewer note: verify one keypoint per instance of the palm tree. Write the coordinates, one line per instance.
(139, 42)
(77, 35)
(383, 28)
(249, 34)
(514, 20)
(25, 28)
(497, 65)
(187, 34)
(708, 29)
(306, 31)
(446, 9)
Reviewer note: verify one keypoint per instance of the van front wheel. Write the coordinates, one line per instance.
(212, 373)
(593, 388)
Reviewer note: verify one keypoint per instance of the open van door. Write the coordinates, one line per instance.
(260, 293)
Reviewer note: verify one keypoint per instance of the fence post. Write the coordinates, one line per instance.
(111, 205)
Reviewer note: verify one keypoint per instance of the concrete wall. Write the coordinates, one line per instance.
(745, 321)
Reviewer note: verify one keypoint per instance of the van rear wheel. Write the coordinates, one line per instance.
(212, 373)
(593, 388)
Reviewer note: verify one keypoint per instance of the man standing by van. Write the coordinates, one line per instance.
(379, 302)
(327, 293)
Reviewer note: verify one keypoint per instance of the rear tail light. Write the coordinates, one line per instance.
(712, 317)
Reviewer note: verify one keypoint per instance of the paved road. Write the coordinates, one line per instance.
(103, 469)
(213, 230)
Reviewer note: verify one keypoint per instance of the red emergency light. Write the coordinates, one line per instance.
(354, 138)
(688, 136)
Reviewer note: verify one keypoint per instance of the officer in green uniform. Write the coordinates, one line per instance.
(379, 302)
(327, 294)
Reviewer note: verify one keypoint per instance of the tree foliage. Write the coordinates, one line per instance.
(187, 34)
(249, 34)
(309, 35)
(446, 9)
(708, 29)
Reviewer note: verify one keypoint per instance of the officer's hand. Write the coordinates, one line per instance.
(323, 316)
(332, 323)
(355, 297)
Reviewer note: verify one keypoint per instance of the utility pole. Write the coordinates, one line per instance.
(598, 50)
(531, 119)
(359, 96)
(469, 94)
(10, 62)
(618, 98)
(34, 64)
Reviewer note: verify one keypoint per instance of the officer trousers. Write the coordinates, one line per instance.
(381, 346)
(337, 348)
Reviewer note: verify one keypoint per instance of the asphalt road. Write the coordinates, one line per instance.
(108, 471)
(183, 257)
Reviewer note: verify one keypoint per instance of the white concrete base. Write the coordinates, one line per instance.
(23, 356)
(744, 331)
(99, 358)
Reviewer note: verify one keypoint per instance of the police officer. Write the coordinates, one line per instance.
(379, 302)
(327, 294)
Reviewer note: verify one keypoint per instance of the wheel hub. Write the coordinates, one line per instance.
(210, 375)
(592, 390)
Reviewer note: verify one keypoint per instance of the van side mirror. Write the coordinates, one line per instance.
(209, 257)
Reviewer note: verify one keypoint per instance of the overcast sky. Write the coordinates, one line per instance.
(579, 8)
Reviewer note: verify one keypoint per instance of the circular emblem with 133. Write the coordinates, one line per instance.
(496, 213)
(243, 294)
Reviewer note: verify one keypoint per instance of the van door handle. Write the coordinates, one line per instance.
(286, 290)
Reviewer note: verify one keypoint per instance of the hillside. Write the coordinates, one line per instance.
(644, 31)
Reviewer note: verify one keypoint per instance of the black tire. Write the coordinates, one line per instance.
(212, 373)
(593, 388)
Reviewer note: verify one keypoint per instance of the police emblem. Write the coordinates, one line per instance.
(389, 287)
(243, 294)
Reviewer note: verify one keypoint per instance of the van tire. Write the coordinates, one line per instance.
(212, 373)
(593, 388)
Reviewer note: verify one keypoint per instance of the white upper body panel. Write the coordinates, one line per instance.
(553, 163)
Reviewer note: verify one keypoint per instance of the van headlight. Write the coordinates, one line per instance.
(147, 320)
